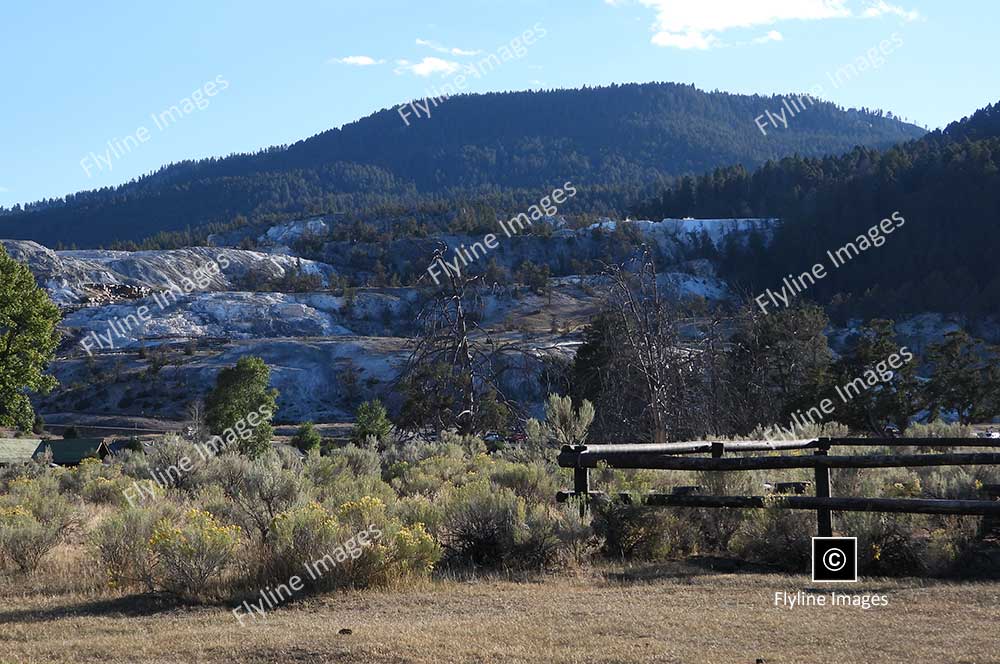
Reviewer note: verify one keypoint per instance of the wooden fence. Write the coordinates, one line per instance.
(670, 456)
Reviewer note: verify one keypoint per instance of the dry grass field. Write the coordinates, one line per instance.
(661, 614)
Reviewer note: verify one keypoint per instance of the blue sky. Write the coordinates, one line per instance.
(78, 75)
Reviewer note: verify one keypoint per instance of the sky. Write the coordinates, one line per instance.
(85, 83)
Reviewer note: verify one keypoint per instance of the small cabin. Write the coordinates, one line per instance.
(16, 451)
(71, 451)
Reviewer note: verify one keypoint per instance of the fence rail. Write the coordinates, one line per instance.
(668, 456)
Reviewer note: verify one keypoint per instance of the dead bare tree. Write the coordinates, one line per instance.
(453, 375)
(676, 377)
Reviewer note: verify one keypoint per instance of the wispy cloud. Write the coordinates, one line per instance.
(356, 60)
(771, 36)
(427, 67)
(882, 8)
(698, 25)
(444, 49)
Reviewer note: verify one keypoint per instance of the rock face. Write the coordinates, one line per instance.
(146, 332)
(73, 277)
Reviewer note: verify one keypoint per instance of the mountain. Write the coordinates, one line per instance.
(614, 142)
(946, 185)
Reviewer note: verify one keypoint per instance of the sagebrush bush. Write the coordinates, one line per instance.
(411, 510)
(24, 540)
(298, 536)
(637, 532)
(446, 464)
(41, 497)
(257, 490)
(481, 525)
(347, 474)
(532, 481)
(122, 543)
(938, 429)
(192, 553)
(106, 490)
(778, 537)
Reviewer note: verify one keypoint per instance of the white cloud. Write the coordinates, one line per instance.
(444, 49)
(882, 8)
(698, 25)
(357, 60)
(771, 36)
(4, 190)
(427, 67)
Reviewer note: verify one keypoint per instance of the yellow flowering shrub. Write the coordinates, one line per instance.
(299, 536)
(24, 540)
(414, 551)
(192, 552)
(122, 544)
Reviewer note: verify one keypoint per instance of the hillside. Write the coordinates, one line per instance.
(615, 142)
(946, 185)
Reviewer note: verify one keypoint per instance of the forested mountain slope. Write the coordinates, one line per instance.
(615, 142)
(945, 185)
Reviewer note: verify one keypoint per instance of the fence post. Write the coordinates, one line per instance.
(824, 518)
(581, 487)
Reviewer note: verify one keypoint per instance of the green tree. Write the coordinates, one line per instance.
(778, 363)
(965, 379)
(241, 406)
(372, 420)
(307, 438)
(877, 378)
(28, 341)
(563, 425)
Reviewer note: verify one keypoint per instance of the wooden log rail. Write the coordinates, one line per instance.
(889, 505)
(582, 458)
(667, 462)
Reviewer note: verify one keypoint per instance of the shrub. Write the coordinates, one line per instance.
(885, 544)
(307, 438)
(938, 429)
(446, 464)
(257, 490)
(564, 425)
(299, 536)
(347, 474)
(106, 491)
(532, 481)
(24, 539)
(480, 523)
(778, 537)
(396, 552)
(412, 510)
(372, 420)
(192, 553)
(414, 551)
(170, 457)
(122, 541)
(41, 497)
(575, 531)
(637, 532)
